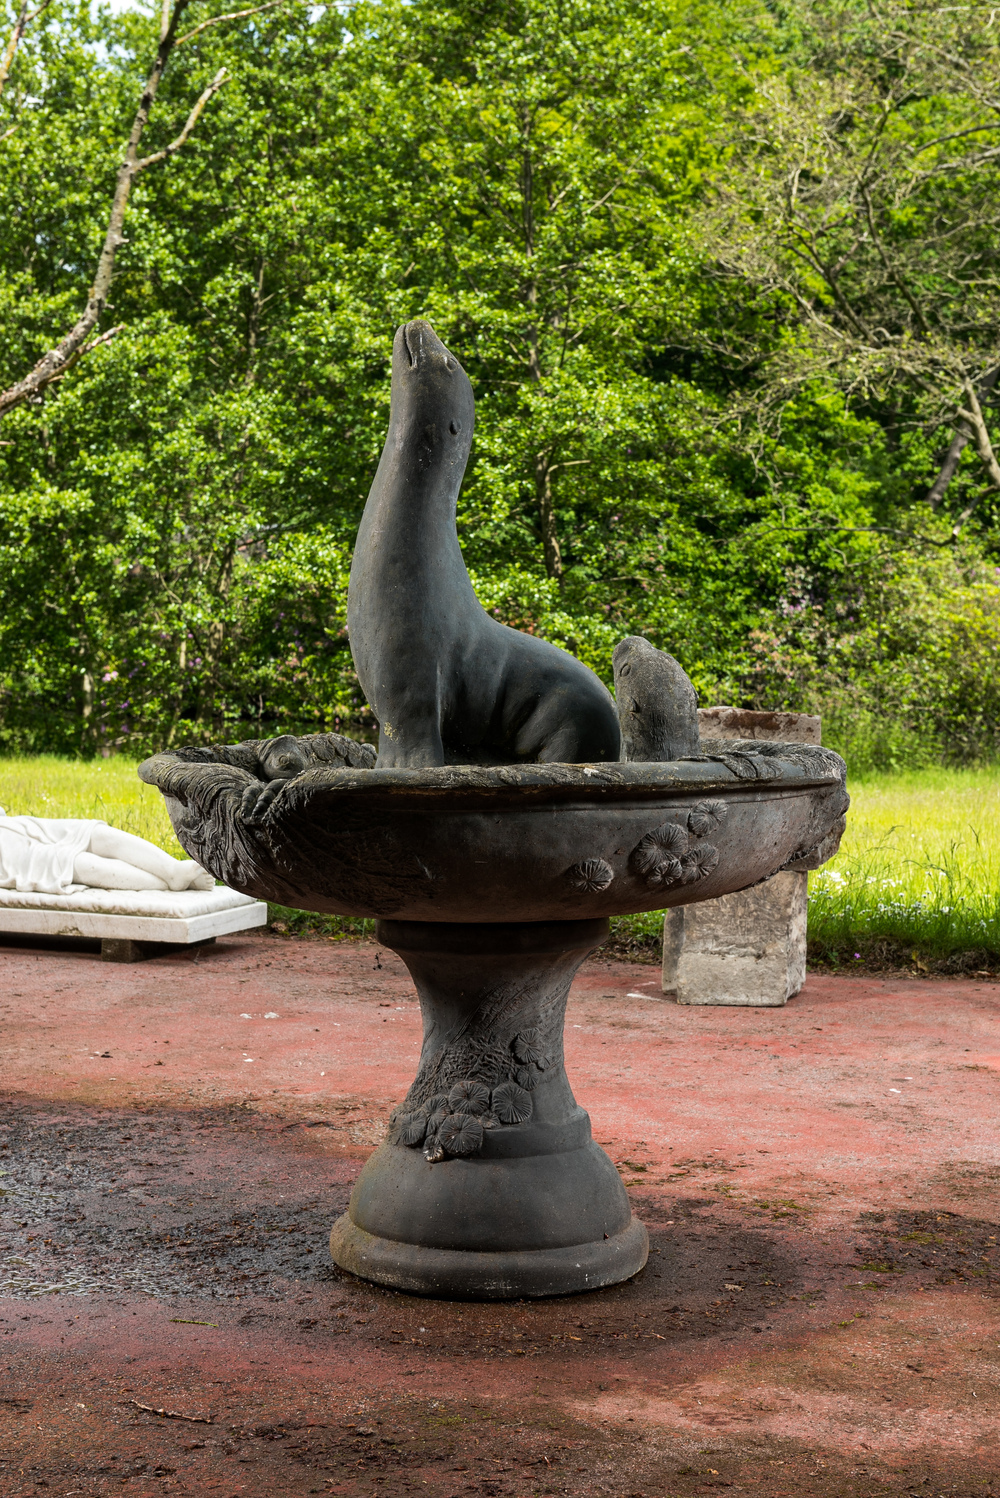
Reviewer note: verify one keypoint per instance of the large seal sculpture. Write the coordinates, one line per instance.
(447, 683)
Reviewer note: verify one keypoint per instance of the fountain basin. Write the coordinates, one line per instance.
(509, 842)
(493, 883)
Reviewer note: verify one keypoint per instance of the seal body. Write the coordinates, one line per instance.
(657, 705)
(449, 684)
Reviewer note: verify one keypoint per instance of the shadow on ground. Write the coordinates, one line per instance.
(819, 1314)
(176, 1260)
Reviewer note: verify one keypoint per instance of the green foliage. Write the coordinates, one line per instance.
(903, 659)
(106, 790)
(660, 447)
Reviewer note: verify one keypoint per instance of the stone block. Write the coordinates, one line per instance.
(132, 924)
(744, 723)
(124, 949)
(748, 948)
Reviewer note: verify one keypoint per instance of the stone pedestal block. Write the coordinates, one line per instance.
(132, 924)
(748, 948)
(742, 723)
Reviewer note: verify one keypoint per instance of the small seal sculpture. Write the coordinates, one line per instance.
(447, 683)
(657, 705)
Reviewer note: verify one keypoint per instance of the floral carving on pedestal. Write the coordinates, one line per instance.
(511, 1103)
(449, 1121)
(526, 1046)
(469, 1097)
(453, 1124)
(411, 1127)
(449, 1124)
(460, 1134)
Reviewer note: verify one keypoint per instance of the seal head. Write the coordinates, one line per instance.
(657, 705)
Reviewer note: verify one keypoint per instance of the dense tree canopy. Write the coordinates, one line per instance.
(724, 280)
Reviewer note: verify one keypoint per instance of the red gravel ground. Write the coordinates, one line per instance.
(819, 1315)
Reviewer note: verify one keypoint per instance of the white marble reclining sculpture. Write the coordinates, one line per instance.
(62, 855)
(71, 877)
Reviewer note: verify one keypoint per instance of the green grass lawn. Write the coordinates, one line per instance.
(918, 868)
(918, 872)
(107, 790)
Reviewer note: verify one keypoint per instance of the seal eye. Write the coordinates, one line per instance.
(449, 363)
(454, 427)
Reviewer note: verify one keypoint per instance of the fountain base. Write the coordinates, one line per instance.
(457, 1274)
(490, 1185)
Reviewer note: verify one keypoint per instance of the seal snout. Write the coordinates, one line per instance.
(409, 336)
(418, 344)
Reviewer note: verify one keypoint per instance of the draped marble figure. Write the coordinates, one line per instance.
(65, 855)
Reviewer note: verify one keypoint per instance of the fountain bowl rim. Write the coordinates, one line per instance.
(811, 767)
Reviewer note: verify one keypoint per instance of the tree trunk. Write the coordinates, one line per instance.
(550, 533)
(960, 441)
(87, 710)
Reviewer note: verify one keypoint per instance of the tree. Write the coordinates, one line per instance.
(856, 226)
(177, 511)
(55, 362)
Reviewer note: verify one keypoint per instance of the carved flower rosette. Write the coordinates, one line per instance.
(666, 856)
(451, 1124)
(671, 854)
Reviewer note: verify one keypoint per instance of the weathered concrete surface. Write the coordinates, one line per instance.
(748, 723)
(837, 1159)
(750, 947)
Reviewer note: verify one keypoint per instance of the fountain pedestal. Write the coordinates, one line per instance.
(490, 1184)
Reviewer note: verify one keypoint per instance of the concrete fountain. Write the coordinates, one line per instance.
(512, 808)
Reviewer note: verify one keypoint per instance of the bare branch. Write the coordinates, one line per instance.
(233, 15)
(980, 434)
(959, 443)
(58, 360)
(966, 514)
(21, 25)
(891, 270)
(192, 120)
(610, 192)
(955, 135)
(837, 530)
(948, 468)
(88, 348)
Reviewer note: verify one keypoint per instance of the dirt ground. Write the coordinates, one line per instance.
(820, 1313)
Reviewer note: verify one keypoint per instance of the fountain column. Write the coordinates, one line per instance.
(490, 1184)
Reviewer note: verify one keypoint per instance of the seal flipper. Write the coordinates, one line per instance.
(657, 705)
